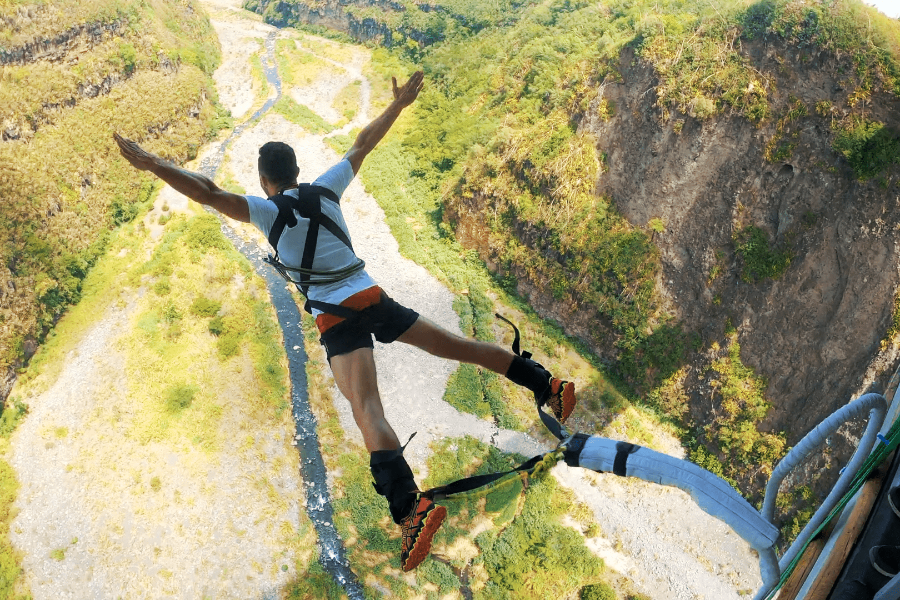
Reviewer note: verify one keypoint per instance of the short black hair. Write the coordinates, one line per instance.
(278, 163)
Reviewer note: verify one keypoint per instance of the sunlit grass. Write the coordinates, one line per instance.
(298, 67)
(347, 102)
(330, 49)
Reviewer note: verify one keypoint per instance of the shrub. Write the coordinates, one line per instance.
(162, 287)
(171, 314)
(204, 232)
(180, 397)
(536, 537)
(760, 259)
(868, 146)
(204, 307)
(217, 326)
(122, 211)
(598, 591)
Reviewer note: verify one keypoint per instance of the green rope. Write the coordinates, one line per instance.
(874, 459)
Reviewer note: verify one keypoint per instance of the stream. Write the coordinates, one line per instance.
(312, 465)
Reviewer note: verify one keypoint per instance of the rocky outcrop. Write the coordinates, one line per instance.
(59, 46)
(816, 331)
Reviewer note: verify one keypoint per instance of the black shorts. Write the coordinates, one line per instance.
(386, 320)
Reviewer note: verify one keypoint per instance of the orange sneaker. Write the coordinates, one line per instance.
(418, 530)
(561, 398)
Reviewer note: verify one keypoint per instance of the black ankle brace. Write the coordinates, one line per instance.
(394, 480)
(529, 374)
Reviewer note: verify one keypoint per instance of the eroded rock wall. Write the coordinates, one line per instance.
(814, 332)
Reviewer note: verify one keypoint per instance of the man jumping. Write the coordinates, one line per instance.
(313, 250)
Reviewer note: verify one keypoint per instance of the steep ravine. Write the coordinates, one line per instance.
(656, 536)
(640, 522)
(814, 333)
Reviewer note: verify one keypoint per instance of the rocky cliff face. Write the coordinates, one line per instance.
(814, 332)
(330, 14)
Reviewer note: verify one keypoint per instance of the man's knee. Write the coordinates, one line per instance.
(368, 407)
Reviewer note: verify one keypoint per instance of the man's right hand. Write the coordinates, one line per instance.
(407, 94)
(134, 154)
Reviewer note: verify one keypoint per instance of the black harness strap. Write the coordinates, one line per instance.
(623, 449)
(332, 309)
(468, 484)
(308, 205)
(309, 195)
(555, 427)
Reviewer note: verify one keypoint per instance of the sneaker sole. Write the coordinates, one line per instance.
(567, 400)
(433, 522)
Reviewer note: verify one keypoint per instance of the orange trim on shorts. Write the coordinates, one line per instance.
(357, 301)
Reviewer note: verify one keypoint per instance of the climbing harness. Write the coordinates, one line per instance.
(309, 206)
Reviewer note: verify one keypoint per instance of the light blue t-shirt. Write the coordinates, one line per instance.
(331, 253)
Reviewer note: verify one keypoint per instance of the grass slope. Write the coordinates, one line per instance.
(145, 73)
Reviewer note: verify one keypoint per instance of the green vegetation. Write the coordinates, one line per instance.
(759, 259)
(341, 143)
(890, 336)
(62, 180)
(778, 150)
(535, 537)
(869, 146)
(179, 397)
(599, 591)
(302, 116)
(800, 505)
(297, 67)
(198, 262)
(738, 395)
(11, 586)
(347, 101)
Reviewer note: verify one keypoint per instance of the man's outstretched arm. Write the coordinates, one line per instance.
(195, 186)
(369, 137)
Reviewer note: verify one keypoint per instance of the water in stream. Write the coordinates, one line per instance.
(312, 465)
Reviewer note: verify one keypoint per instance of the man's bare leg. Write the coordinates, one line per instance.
(436, 340)
(419, 518)
(357, 379)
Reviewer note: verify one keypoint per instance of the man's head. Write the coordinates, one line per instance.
(277, 167)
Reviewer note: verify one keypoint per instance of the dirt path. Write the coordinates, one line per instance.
(654, 535)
